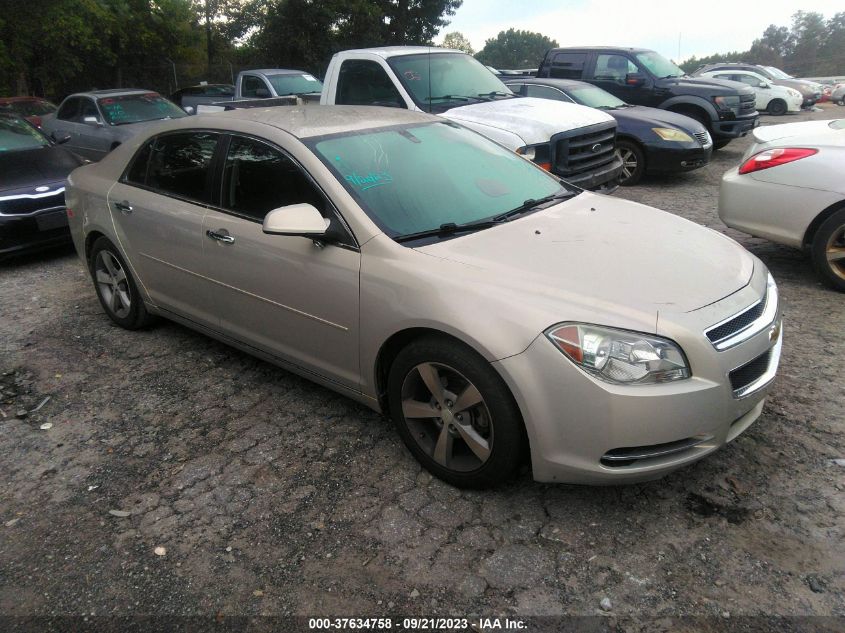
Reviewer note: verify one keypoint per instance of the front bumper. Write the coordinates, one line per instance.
(27, 233)
(582, 430)
(605, 177)
(667, 158)
(734, 128)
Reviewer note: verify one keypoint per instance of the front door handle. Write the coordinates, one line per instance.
(221, 235)
(124, 207)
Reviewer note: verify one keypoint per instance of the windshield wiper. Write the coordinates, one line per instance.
(448, 228)
(533, 204)
(496, 93)
(449, 98)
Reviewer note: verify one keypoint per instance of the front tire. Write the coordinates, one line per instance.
(455, 413)
(777, 107)
(633, 163)
(828, 251)
(115, 286)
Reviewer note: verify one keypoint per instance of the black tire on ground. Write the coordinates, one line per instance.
(496, 419)
(717, 145)
(777, 107)
(633, 162)
(829, 243)
(841, 102)
(115, 290)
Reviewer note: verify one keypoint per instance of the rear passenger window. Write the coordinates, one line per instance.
(69, 110)
(137, 174)
(258, 178)
(567, 65)
(179, 164)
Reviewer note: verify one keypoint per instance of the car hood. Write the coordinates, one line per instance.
(534, 120)
(805, 131)
(643, 115)
(706, 86)
(597, 249)
(35, 167)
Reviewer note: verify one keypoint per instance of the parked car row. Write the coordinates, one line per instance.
(412, 223)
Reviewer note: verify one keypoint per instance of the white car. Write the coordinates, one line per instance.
(790, 189)
(770, 98)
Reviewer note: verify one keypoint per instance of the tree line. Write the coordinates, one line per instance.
(811, 47)
(54, 47)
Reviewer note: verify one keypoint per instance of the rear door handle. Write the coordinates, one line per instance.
(124, 207)
(221, 235)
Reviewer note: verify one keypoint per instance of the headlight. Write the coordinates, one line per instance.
(671, 134)
(619, 356)
(794, 93)
(537, 154)
(727, 103)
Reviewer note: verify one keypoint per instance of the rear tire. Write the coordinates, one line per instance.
(455, 413)
(633, 163)
(777, 107)
(116, 288)
(828, 251)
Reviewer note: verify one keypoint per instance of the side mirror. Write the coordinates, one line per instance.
(189, 109)
(296, 219)
(62, 139)
(634, 79)
(262, 93)
(766, 86)
(91, 120)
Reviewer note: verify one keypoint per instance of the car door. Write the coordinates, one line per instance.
(290, 296)
(610, 72)
(65, 123)
(158, 208)
(94, 135)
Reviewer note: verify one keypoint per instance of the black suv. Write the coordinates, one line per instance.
(644, 77)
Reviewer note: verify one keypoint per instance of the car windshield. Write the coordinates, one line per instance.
(777, 72)
(17, 134)
(295, 84)
(137, 108)
(595, 97)
(439, 81)
(30, 108)
(658, 65)
(415, 178)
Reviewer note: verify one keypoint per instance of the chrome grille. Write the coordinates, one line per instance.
(29, 204)
(736, 324)
(703, 138)
(743, 376)
(747, 104)
(576, 154)
(746, 323)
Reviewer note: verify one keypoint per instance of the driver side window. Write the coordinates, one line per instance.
(614, 68)
(365, 82)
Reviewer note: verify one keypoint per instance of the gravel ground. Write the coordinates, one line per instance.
(182, 477)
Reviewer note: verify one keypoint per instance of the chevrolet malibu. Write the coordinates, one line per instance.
(491, 310)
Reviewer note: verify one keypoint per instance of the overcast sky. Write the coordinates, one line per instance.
(713, 26)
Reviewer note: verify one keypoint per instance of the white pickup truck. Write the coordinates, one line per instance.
(574, 142)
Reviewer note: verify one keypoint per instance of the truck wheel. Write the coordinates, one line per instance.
(633, 163)
(720, 143)
(777, 107)
(828, 251)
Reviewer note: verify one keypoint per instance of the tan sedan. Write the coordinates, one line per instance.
(492, 311)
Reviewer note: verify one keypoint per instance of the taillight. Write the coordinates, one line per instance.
(775, 157)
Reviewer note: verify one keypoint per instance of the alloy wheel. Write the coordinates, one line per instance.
(447, 417)
(629, 162)
(112, 284)
(835, 252)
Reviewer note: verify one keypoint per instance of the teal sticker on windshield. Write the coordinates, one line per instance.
(373, 179)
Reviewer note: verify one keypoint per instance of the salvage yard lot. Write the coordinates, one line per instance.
(271, 495)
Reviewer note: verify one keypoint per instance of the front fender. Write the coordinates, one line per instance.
(691, 100)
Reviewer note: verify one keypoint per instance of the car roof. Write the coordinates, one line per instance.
(113, 92)
(20, 99)
(546, 81)
(396, 51)
(276, 71)
(630, 49)
(308, 121)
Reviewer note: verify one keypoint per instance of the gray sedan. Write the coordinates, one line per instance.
(98, 121)
(490, 309)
